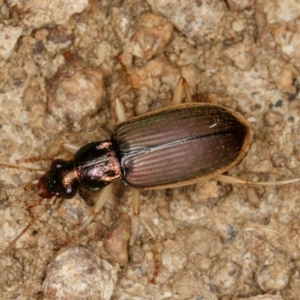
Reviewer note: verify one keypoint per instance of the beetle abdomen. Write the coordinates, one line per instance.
(181, 144)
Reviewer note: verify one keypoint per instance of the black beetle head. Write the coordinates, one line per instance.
(60, 181)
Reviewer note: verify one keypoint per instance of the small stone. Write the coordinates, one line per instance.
(76, 273)
(240, 5)
(278, 160)
(225, 275)
(189, 286)
(273, 277)
(198, 20)
(9, 36)
(289, 204)
(285, 80)
(288, 39)
(39, 13)
(280, 10)
(151, 36)
(75, 92)
(31, 68)
(116, 241)
(271, 118)
(241, 55)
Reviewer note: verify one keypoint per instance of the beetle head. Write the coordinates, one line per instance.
(60, 181)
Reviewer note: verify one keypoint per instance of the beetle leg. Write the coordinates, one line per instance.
(117, 107)
(136, 209)
(229, 179)
(104, 195)
(70, 147)
(119, 110)
(180, 89)
(235, 180)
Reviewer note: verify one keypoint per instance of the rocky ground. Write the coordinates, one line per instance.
(62, 65)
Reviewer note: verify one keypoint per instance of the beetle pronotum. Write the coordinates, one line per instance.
(171, 147)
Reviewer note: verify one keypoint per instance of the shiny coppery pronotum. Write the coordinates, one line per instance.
(169, 147)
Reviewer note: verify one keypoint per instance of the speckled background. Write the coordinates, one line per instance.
(62, 65)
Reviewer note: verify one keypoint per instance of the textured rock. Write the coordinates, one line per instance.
(77, 273)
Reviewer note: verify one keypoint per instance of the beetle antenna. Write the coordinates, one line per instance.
(124, 68)
(32, 221)
(10, 166)
(33, 158)
(29, 184)
(234, 180)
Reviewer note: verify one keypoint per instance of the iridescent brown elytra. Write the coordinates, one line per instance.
(181, 145)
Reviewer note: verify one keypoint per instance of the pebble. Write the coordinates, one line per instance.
(76, 273)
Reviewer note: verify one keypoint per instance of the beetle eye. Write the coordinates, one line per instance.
(69, 191)
(57, 164)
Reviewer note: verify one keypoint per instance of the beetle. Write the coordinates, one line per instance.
(170, 147)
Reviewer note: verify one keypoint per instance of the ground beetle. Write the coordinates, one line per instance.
(165, 148)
